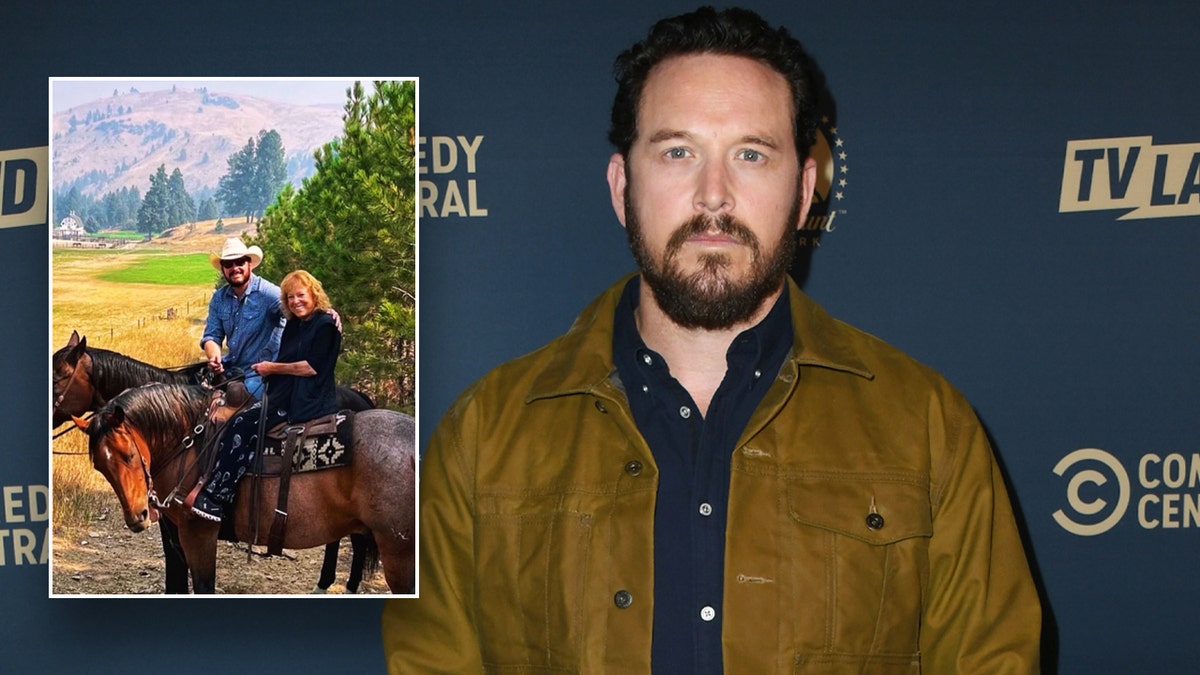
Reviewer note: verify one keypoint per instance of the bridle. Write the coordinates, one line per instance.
(143, 455)
(97, 400)
(199, 432)
(71, 380)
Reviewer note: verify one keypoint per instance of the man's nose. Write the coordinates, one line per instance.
(714, 192)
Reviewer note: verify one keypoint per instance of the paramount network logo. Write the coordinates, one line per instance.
(833, 180)
(1152, 181)
(1099, 491)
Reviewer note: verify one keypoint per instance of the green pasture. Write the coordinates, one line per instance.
(142, 267)
(125, 235)
(178, 270)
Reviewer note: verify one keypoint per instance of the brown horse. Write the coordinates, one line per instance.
(142, 443)
(85, 378)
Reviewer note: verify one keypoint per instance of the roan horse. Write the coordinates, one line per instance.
(85, 379)
(142, 443)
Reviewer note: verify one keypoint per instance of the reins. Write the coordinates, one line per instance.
(208, 442)
(58, 400)
(64, 432)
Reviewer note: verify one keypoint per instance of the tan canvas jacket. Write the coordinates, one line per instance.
(869, 529)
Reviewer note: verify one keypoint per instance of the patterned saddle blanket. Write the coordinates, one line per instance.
(322, 443)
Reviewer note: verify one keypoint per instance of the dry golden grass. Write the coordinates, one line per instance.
(81, 494)
(202, 237)
(130, 314)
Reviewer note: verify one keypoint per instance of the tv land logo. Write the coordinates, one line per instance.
(1099, 491)
(24, 186)
(1147, 180)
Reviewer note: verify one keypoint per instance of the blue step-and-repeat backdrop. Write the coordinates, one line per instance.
(1015, 201)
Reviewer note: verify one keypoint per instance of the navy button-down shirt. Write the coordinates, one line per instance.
(693, 457)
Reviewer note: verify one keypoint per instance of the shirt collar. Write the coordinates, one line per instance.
(766, 342)
(251, 287)
(581, 360)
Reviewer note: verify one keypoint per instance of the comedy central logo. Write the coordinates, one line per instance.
(24, 186)
(833, 180)
(1099, 491)
(1134, 174)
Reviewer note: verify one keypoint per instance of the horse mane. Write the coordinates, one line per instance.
(162, 413)
(113, 372)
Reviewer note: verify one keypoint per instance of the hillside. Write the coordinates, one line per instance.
(121, 140)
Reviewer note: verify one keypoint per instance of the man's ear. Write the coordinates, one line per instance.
(616, 185)
(808, 185)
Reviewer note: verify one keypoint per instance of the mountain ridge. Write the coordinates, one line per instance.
(120, 141)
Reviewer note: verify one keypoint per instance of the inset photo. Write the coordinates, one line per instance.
(233, 336)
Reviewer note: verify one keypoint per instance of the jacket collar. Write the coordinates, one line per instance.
(581, 360)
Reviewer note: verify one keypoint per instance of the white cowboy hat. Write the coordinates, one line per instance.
(234, 249)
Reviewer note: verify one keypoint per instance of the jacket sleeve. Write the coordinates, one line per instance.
(436, 632)
(982, 614)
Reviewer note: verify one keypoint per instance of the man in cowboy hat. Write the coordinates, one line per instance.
(244, 314)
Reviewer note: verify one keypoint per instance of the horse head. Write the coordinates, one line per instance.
(72, 390)
(120, 453)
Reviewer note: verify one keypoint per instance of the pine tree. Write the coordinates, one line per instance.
(353, 226)
(207, 209)
(270, 169)
(181, 207)
(234, 189)
(155, 212)
(255, 175)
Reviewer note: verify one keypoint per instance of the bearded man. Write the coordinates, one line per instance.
(708, 473)
(244, 314)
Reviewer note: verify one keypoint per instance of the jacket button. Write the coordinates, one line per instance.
(600, 406)
(623, 599)
(633, 468)
(875, 521)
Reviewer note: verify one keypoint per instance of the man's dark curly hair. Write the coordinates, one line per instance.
(734, 31)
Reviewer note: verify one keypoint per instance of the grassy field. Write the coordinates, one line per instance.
(171, 269)
(121, 300)
(122, 235)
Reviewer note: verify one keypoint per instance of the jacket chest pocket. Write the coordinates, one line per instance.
(531, 587)
(861, 554)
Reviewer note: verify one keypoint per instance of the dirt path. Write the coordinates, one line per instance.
(105, 558)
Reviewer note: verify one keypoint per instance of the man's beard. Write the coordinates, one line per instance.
(708, 298)
(238, 287)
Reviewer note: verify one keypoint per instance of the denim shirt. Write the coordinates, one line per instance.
(250, 327)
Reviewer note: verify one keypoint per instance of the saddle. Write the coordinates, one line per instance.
(321, 443)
